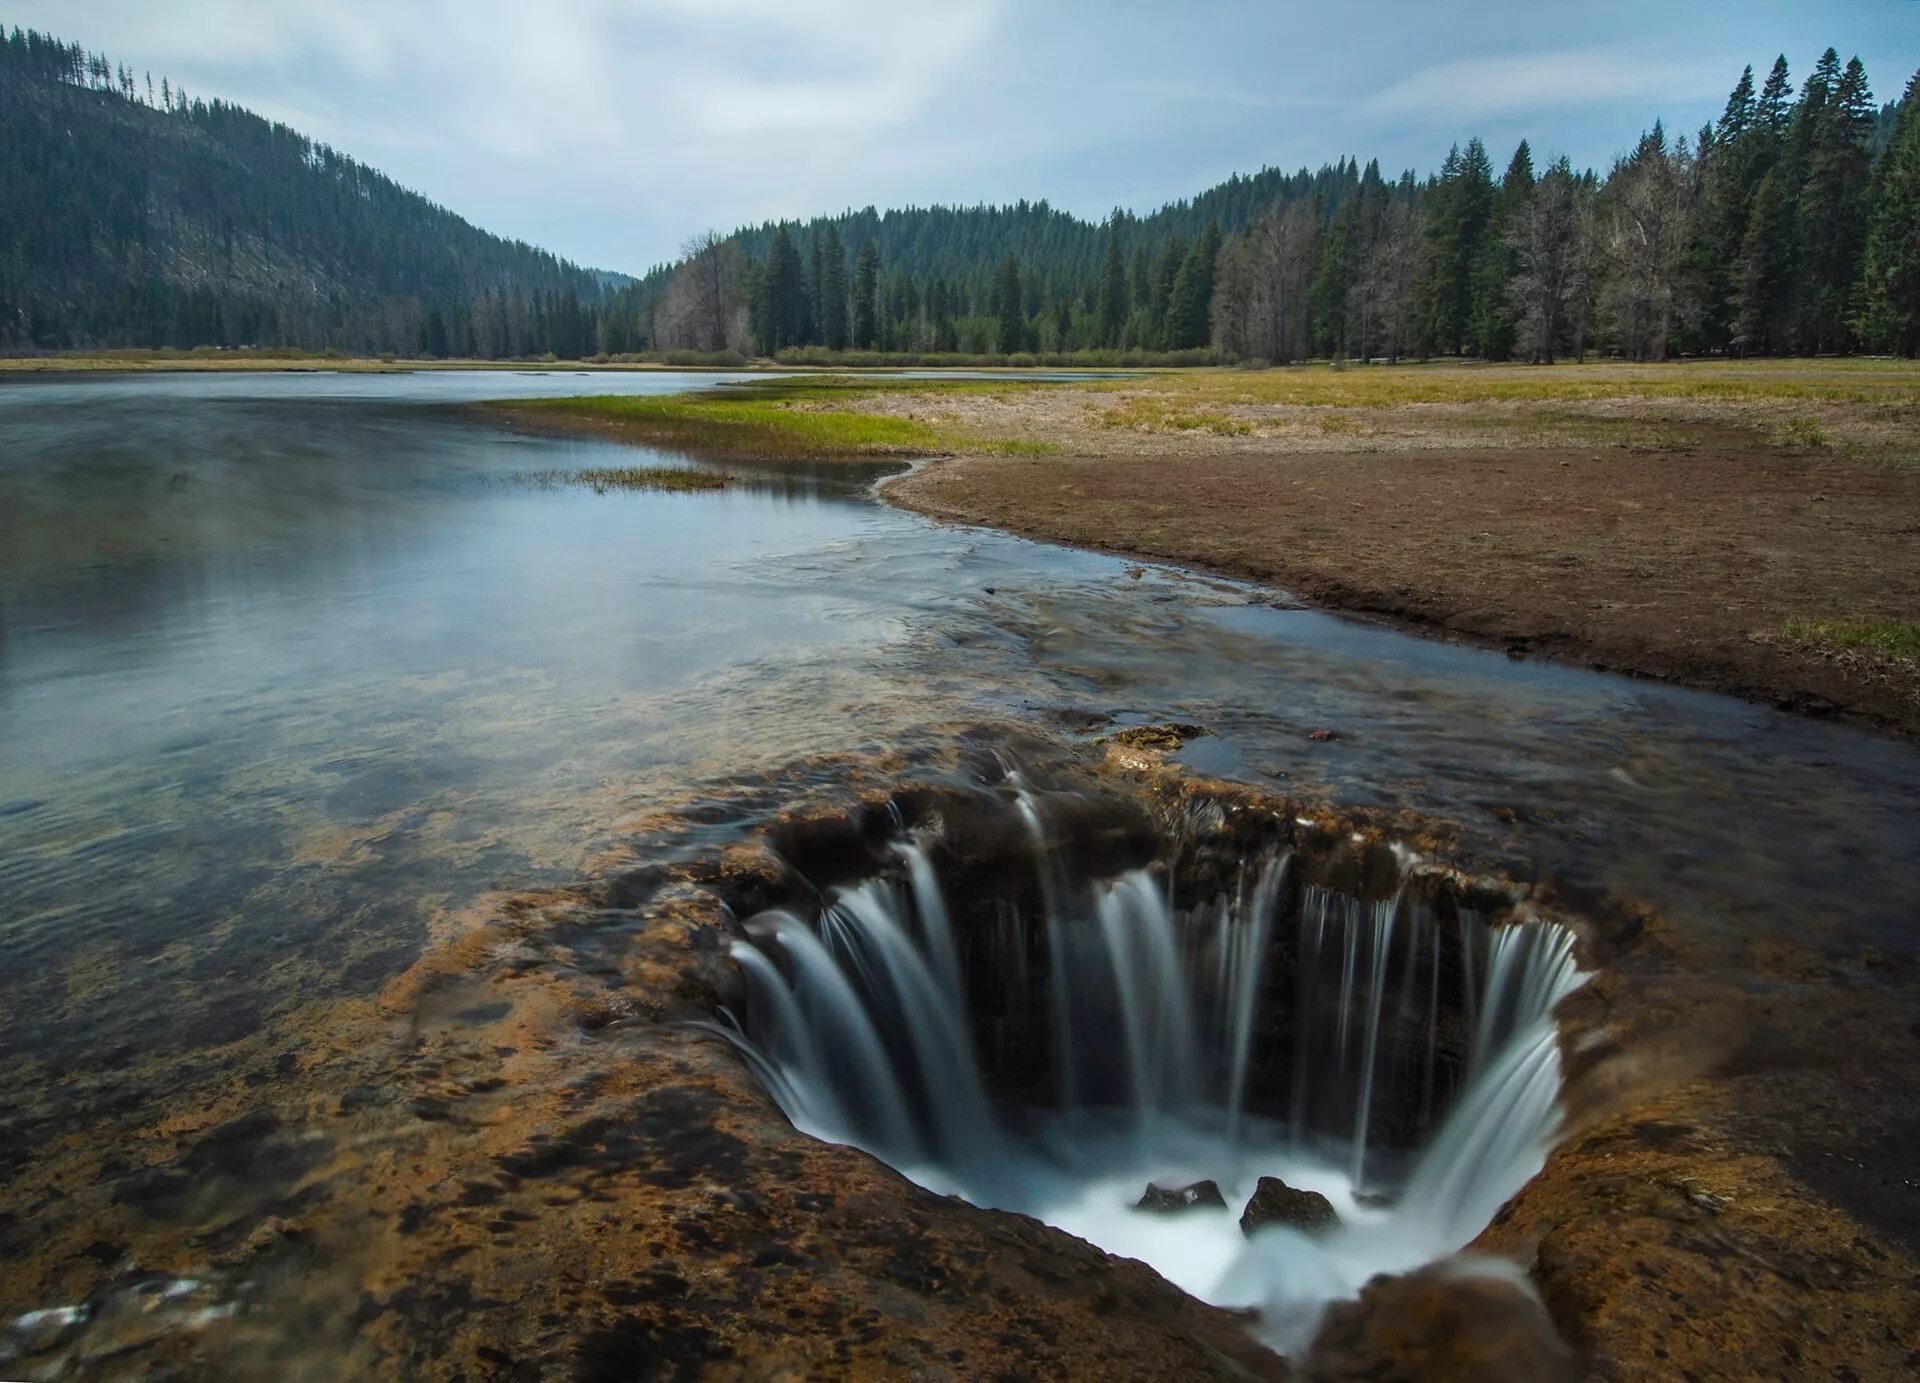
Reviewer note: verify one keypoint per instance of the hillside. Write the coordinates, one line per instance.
(139, 219)
(960, 243)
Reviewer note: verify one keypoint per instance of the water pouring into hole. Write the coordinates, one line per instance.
(1172, 1060)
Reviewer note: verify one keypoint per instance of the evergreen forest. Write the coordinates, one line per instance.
(136, 215)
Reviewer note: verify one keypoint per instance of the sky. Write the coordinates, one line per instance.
(609, 131)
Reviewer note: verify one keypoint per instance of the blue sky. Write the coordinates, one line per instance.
(610, 130)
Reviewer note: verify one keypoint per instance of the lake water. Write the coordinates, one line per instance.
(293, 665)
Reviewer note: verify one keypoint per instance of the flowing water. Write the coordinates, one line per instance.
(859, 1021)
(294, 667)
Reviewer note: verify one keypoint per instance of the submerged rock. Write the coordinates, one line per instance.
(1276, 1203)
(1165, 737)
(1167, 1200)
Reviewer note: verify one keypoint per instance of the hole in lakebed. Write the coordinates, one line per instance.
(1048, 1003)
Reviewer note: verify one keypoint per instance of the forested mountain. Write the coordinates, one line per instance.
(1786, 226)
(135, 216)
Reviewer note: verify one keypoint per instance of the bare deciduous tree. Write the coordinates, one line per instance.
(1552, 240)
(1399, 265)
(1263, 286)
(703, 304)
(1649, 205)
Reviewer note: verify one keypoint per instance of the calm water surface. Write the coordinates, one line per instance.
(293, 665)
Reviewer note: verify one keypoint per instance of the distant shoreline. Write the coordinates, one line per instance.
(238, 362)
(144, 363)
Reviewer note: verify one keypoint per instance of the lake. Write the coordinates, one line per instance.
(293, 668)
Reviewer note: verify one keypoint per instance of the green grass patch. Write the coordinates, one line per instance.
(812, 418)
(736, 427)
(601, 479)
(1884, 638)
(1802, 431)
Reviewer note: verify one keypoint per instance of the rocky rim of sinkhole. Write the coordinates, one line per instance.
(1273, 1055)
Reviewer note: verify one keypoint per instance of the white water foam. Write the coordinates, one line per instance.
(863, 1037)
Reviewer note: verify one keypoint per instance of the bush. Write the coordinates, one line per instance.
(820, 356)
(708, 360)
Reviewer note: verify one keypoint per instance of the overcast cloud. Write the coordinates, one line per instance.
(609, 130)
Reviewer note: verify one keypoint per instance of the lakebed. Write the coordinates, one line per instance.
(375, 813)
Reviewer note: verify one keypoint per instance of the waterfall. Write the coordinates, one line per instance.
(1244, 937)
(1173, 1045)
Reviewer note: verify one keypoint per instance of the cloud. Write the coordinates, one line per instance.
(1511, 83)
(609, 130)
(596, 118)
(1203, 93)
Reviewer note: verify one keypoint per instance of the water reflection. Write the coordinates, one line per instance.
(290, 663)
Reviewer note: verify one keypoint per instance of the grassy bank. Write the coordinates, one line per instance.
(807, 418)
(1864, 410)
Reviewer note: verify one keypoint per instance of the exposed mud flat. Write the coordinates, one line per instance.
(1682, 563)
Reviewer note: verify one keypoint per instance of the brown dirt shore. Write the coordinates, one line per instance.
(1686, 547)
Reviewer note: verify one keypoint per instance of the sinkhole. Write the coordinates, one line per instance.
(1065, 1005)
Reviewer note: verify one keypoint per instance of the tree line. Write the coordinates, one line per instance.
(1790, 225)
(135, 215)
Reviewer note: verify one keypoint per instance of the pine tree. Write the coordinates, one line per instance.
(1331, 279)
(1011, 333)
(1189, 310)
(939, 316)
(1060, 317)
(1774, 110)
(1202, 263)
(1458, 207)
(1166, 268)
(833, 292)
(816, 287)
(1766, 269)
(783, 291)
(1492, 314)
(1763, 269)
(1889, 314)
(1807, 144)
(1140, 277)
(866, 288)
(1728, 172)
(1113, 288)
(1831, 210)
